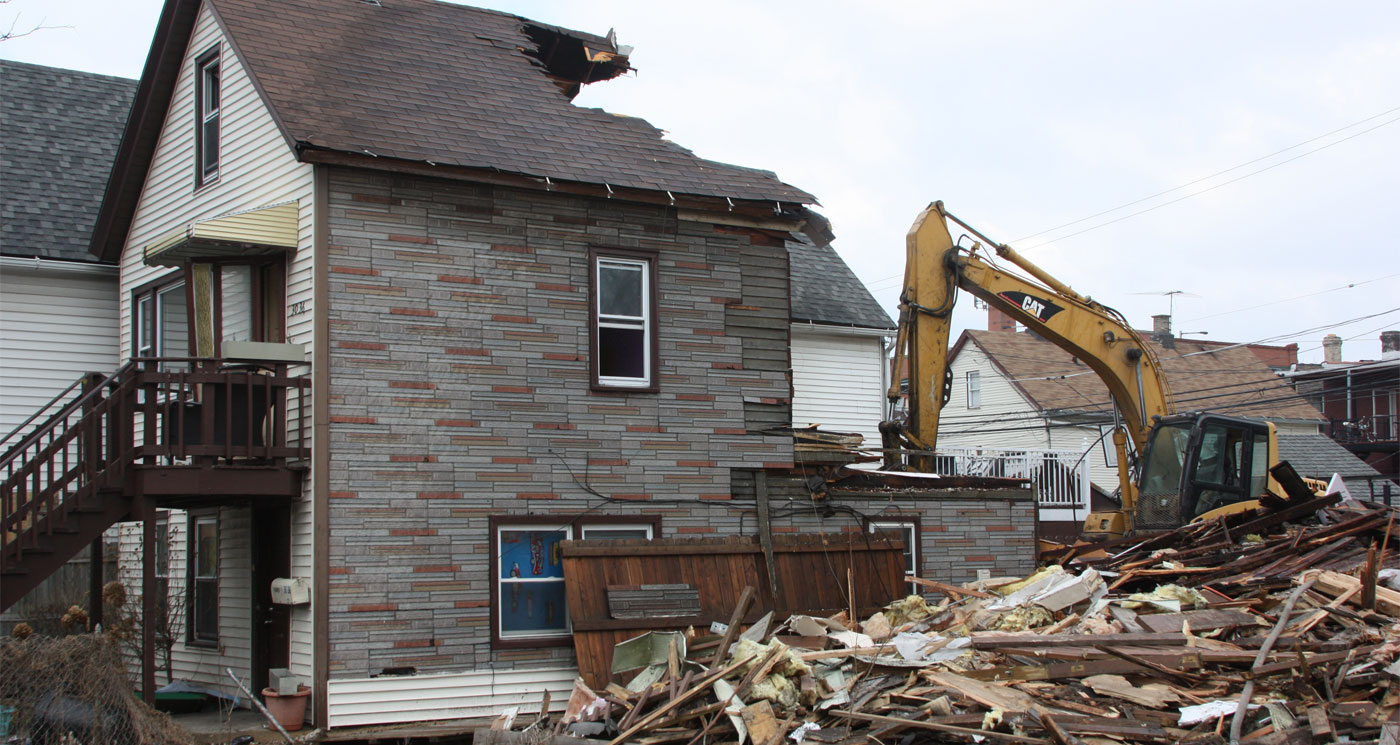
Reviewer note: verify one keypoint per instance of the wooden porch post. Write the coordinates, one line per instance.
(148, 599)
(95, 582)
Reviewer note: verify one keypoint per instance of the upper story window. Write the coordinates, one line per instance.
(624, 320)
(206, 136)
(974, 389)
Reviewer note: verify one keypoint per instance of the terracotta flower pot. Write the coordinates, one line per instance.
(290, 710)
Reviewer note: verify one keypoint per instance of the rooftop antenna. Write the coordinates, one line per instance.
(1171, 297)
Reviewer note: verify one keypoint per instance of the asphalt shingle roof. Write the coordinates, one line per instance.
(453, 85)
(59, 131)
(1232, 380)
(1319, 456)
(825, 290)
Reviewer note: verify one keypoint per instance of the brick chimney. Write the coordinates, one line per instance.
(1390, 345)
(998, 321)
(1331, 348)
(1162, 331)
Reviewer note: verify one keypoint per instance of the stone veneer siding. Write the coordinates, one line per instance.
(459, 346)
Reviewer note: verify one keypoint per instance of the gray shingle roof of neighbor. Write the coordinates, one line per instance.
(429, 81)
(59, 131)
(825, 290)
(1319, 456)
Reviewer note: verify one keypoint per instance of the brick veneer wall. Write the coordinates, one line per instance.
(460, 390)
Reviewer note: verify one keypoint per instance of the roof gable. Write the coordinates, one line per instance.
(60, 129)
(437, 86)
(1230, 380)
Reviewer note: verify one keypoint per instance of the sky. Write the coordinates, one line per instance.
(1245, 153)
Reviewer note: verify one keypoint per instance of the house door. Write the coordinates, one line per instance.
(272, 558)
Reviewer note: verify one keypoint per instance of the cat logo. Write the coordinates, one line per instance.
(1040, 308)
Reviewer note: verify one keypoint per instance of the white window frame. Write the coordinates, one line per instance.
(911, 541)
(195, 580)
(208, 109)
(974, 389)
(503, 583)
(642, 323)
(643, 528)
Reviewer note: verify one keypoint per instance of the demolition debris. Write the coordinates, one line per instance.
(1264, 630)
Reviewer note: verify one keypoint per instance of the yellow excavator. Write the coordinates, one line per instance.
(1191, 466)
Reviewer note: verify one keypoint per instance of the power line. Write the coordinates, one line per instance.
(1291, 299)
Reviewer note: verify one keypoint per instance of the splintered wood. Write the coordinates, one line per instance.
(1262, 628)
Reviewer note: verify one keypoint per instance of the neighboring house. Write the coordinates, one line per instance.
(1320, 457)
(1016, 391)
(58, 303)
(441, 319)
(1360, 400)
(840, 335)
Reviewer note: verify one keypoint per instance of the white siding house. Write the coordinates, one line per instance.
(256, 171)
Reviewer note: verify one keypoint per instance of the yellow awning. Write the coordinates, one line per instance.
(254, 232)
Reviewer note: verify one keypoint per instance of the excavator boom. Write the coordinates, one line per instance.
(936, 268)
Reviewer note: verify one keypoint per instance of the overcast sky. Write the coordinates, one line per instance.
(1263, 138)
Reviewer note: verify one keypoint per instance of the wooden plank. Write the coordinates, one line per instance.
(731, 633)
(1031, 641)
(956, 592)
(936, 727)
(1199, 620)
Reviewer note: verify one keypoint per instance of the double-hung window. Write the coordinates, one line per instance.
(531, 576)
(624, 320)
(203, 617)
(208, 87)
(974, 389)
(528, 598)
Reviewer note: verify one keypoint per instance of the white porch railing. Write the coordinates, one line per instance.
(1061, 476)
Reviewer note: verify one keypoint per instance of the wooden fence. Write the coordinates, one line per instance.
(810, 573)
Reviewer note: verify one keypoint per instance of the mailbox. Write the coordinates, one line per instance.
(291, 591)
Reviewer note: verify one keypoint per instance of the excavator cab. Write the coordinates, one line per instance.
(1198, 466)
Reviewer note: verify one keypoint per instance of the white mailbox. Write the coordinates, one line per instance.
(291, 591)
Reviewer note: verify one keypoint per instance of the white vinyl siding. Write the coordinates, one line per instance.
(358, 702)
(838, 382)
(201, 664)
(55, 325)
(256, 169)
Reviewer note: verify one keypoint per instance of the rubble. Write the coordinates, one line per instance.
(1247, 629)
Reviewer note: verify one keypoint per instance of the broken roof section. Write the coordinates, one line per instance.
(433, 88)
(453, 85)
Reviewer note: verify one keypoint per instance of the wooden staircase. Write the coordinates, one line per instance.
(86, 466)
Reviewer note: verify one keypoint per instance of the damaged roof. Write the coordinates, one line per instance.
(826, 291)
(439, 85)
(59, 130)
(1231, 380)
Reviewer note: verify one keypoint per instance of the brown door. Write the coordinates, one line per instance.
(272, 558)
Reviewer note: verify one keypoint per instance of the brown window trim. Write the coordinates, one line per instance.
(150, 289)
(654, 363)
(191, 545)
(575, 520)
(268, 274)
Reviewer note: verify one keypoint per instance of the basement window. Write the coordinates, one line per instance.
(624, 320)
(208, 89)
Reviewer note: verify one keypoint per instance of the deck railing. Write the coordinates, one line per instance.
(198, 412)
(1061, 476)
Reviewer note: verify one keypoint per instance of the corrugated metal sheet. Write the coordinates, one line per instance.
(354, 702)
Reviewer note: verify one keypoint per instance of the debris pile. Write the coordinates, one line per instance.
(1259, 631)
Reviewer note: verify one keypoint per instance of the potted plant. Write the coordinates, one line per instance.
(288, 709)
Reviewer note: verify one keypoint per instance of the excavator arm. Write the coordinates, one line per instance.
(1096, 335)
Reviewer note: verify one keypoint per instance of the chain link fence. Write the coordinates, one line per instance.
(74, 690)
